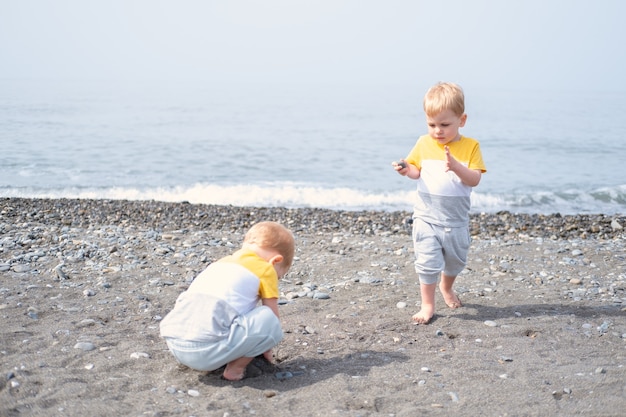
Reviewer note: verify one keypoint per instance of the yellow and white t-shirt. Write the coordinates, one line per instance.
(442, 198)
(228, 288)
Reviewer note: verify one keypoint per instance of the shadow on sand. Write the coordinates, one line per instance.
(303, 371)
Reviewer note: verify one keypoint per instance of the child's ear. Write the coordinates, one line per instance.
(276, 259)
(463, 119)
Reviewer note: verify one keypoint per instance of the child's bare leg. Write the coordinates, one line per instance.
(428, 304)
(235, 370)
(449, 296)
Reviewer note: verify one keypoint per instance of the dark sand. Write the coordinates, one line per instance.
(83, 285)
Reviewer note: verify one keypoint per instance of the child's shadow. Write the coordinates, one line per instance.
(483, 312)
(304, 371)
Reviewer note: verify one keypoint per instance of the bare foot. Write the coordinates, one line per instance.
(236, 370)
(233, 374)
(445, 286)
(424, 315)
(451, 299)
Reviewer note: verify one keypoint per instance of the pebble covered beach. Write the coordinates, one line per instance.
(84, 284)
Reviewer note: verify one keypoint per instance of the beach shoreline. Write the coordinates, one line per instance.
(84, 284)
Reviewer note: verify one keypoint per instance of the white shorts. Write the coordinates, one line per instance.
(439, 249)
(251, 335)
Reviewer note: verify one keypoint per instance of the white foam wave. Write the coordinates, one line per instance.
(290, 196)
(606, 201)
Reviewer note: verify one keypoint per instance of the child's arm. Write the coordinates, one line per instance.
(469, 177)
(272, 303)
(405, 169)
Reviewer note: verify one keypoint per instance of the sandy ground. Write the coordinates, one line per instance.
(542, 331)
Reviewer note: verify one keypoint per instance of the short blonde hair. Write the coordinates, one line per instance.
(444, 96)
(272, 235)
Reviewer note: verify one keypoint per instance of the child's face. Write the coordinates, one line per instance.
(444, 127)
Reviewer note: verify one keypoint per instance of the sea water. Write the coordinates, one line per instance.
(302, 145)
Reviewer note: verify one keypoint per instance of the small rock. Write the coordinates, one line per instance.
(58, 270)
(21, 268)
(491, 323)
(321, 296)
(139, 355)
(86, 346)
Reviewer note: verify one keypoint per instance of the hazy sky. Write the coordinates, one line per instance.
(515, 43)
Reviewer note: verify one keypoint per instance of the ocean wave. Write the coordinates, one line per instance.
(604, 200)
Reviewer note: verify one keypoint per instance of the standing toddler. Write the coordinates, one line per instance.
(446, 165)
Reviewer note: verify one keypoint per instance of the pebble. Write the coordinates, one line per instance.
(490, 323)
(370, 280)
(58, 270)
(321, 296)
(615, 225)
(21, 268)
(86, 346)
(139, 355)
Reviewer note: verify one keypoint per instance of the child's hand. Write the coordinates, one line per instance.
(406, 170)
(451, 163)
(400, 166)
(467, 176)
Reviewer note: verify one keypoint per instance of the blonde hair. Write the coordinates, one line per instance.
(444, 96)
(272, 235)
